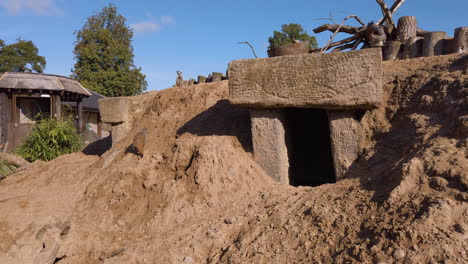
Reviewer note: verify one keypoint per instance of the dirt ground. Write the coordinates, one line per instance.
(197, 195)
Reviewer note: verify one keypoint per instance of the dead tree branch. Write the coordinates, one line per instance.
(386, 12)
(341, 42)
(251, 47)
(333, 28)
(328, 18)
(327, 46)
(392, 10)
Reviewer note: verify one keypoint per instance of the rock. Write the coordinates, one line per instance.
(399, 254)
(230, 221)
(188, 259)
(265, 195)
(438, 183)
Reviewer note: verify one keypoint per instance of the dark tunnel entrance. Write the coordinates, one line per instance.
(309, 147)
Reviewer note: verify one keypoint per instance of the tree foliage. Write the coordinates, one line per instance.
(21, 56)
(104, 56)
(49, 139)
(289, 34)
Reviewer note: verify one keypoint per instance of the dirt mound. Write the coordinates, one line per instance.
(197, 195)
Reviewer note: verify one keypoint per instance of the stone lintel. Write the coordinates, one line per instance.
(345, 135)
(341, 80)
(269, 142)
(114, 110)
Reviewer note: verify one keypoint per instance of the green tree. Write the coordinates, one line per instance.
(21, 56)
(104, 56)
(290, 33)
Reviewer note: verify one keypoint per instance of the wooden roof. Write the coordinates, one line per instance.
(37, 81)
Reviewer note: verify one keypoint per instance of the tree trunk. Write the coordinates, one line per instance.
(407, 26)
(413, 48)
(448, 45)
(461, 40)
(390, 50)
(433, 43)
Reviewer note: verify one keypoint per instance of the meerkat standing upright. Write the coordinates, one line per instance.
(179, 79)
(139, 142)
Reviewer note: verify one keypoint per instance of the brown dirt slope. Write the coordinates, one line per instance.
(197, 196)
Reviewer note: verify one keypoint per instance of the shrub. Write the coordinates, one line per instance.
(49, 139)
(6, 168)
(289, 34)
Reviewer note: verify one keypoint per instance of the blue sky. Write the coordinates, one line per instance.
(197, 37)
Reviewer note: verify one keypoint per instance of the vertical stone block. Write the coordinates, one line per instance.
(345, 135)
(269, 142)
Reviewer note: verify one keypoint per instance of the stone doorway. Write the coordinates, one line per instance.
(309, 147)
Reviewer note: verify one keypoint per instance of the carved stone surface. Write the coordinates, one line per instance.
(269, 142)
(344, 80)
(345, 135)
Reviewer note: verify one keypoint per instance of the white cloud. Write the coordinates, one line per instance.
(39, 7)
(152, 24)
(145, 27)
(167, 20)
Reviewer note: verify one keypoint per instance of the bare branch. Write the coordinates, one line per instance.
(328, 18)
(357, 42)
(343, 47)
(326, 47)
(386, 12)
(341, 42)
(252, 48)
(333, 28)
(392, 10)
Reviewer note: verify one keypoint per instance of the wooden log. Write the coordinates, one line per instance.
(433, 44)
(407, 27)
(412, 48)
(448, 45)
(390, 50)
(217, 76)
(460, 44)
(333, 28)
(201, 79)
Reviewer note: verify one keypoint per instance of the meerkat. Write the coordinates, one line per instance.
(139, 142)
(180, 79)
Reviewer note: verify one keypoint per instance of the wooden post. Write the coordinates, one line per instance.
(57, 106)
(412, 48)
(406, 29)
(217, 76)
(79, 107)
(433, 43)
(390, 50)
(99, 125)
(201, 79)
(461, 40)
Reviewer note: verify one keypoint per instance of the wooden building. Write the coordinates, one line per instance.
(91, 116)
(26, 96)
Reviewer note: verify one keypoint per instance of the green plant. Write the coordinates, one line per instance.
(6, 168)
(291, 33)
(49, 139)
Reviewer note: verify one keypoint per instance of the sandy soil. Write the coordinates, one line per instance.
(197, 195)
